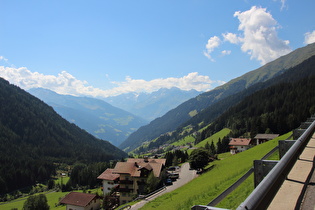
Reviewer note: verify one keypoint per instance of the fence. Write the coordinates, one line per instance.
(263, 194)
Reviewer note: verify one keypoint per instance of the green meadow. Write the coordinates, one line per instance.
(206, 187)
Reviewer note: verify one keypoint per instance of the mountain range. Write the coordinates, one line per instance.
(96, 116)
(195, 107)
(103, 119)
(151, 105)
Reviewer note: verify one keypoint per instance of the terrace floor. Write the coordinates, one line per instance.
(298, 190)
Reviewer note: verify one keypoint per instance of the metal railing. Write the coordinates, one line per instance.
(263, 194)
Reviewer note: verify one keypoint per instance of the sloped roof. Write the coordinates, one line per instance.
(78, 199)
(108, 175)
(149, 160)
(125, 168)
(239, 142)
(134, 166)
(266, 136)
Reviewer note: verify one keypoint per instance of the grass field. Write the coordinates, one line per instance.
(215, 137)
(206, 187)
(52, 197)
(184, 141)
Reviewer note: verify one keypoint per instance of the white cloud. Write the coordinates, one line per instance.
(226, 52)
(232, 38)
(3, 59)
(309, 37)
(191, 81)
(260, 38)
(213, 42)
(65, 83)
(283, 4)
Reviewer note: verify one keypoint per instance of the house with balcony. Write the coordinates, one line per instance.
(133, 175)
(109, 180)
(239, 145)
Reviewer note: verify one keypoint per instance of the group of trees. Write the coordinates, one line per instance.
(221, 147)
(85, 175)
(173, 158)
(36, 202)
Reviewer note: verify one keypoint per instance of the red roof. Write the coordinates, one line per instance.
(148, 160)
(108, 175)
(78, 199)
(134, 166)
(239, 142)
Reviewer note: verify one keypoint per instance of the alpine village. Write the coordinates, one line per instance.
(186, 157)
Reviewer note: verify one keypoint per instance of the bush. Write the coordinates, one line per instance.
(36, 202)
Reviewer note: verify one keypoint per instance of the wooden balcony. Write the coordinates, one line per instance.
(125, 182)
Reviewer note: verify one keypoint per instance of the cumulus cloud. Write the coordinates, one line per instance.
(213, 43)
(191, 81)
(309, 37)
(232, 38)
(258, 36)
(65, 83)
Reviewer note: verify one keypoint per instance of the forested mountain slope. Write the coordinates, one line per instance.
(277, 109)
(96, 116)
(174, 118)
(33, 137)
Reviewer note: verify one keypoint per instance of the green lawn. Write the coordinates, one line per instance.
(206, 187)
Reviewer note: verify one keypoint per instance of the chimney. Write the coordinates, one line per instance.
(146, 159)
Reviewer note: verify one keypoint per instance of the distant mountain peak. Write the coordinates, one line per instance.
(152, 105)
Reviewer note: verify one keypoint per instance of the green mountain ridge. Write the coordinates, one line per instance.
(178, 116)
(33, 138)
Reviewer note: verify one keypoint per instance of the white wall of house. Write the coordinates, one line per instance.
(108, 185)
(72, 207)
(238, 149)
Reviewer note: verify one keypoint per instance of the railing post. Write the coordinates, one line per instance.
(261, 169)
(284, 146)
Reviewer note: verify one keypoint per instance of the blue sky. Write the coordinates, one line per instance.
(103, 48)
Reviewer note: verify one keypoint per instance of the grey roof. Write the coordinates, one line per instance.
(266, 136)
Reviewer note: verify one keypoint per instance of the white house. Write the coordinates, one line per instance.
(110, 180)
(239, 145)
(81, 201)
